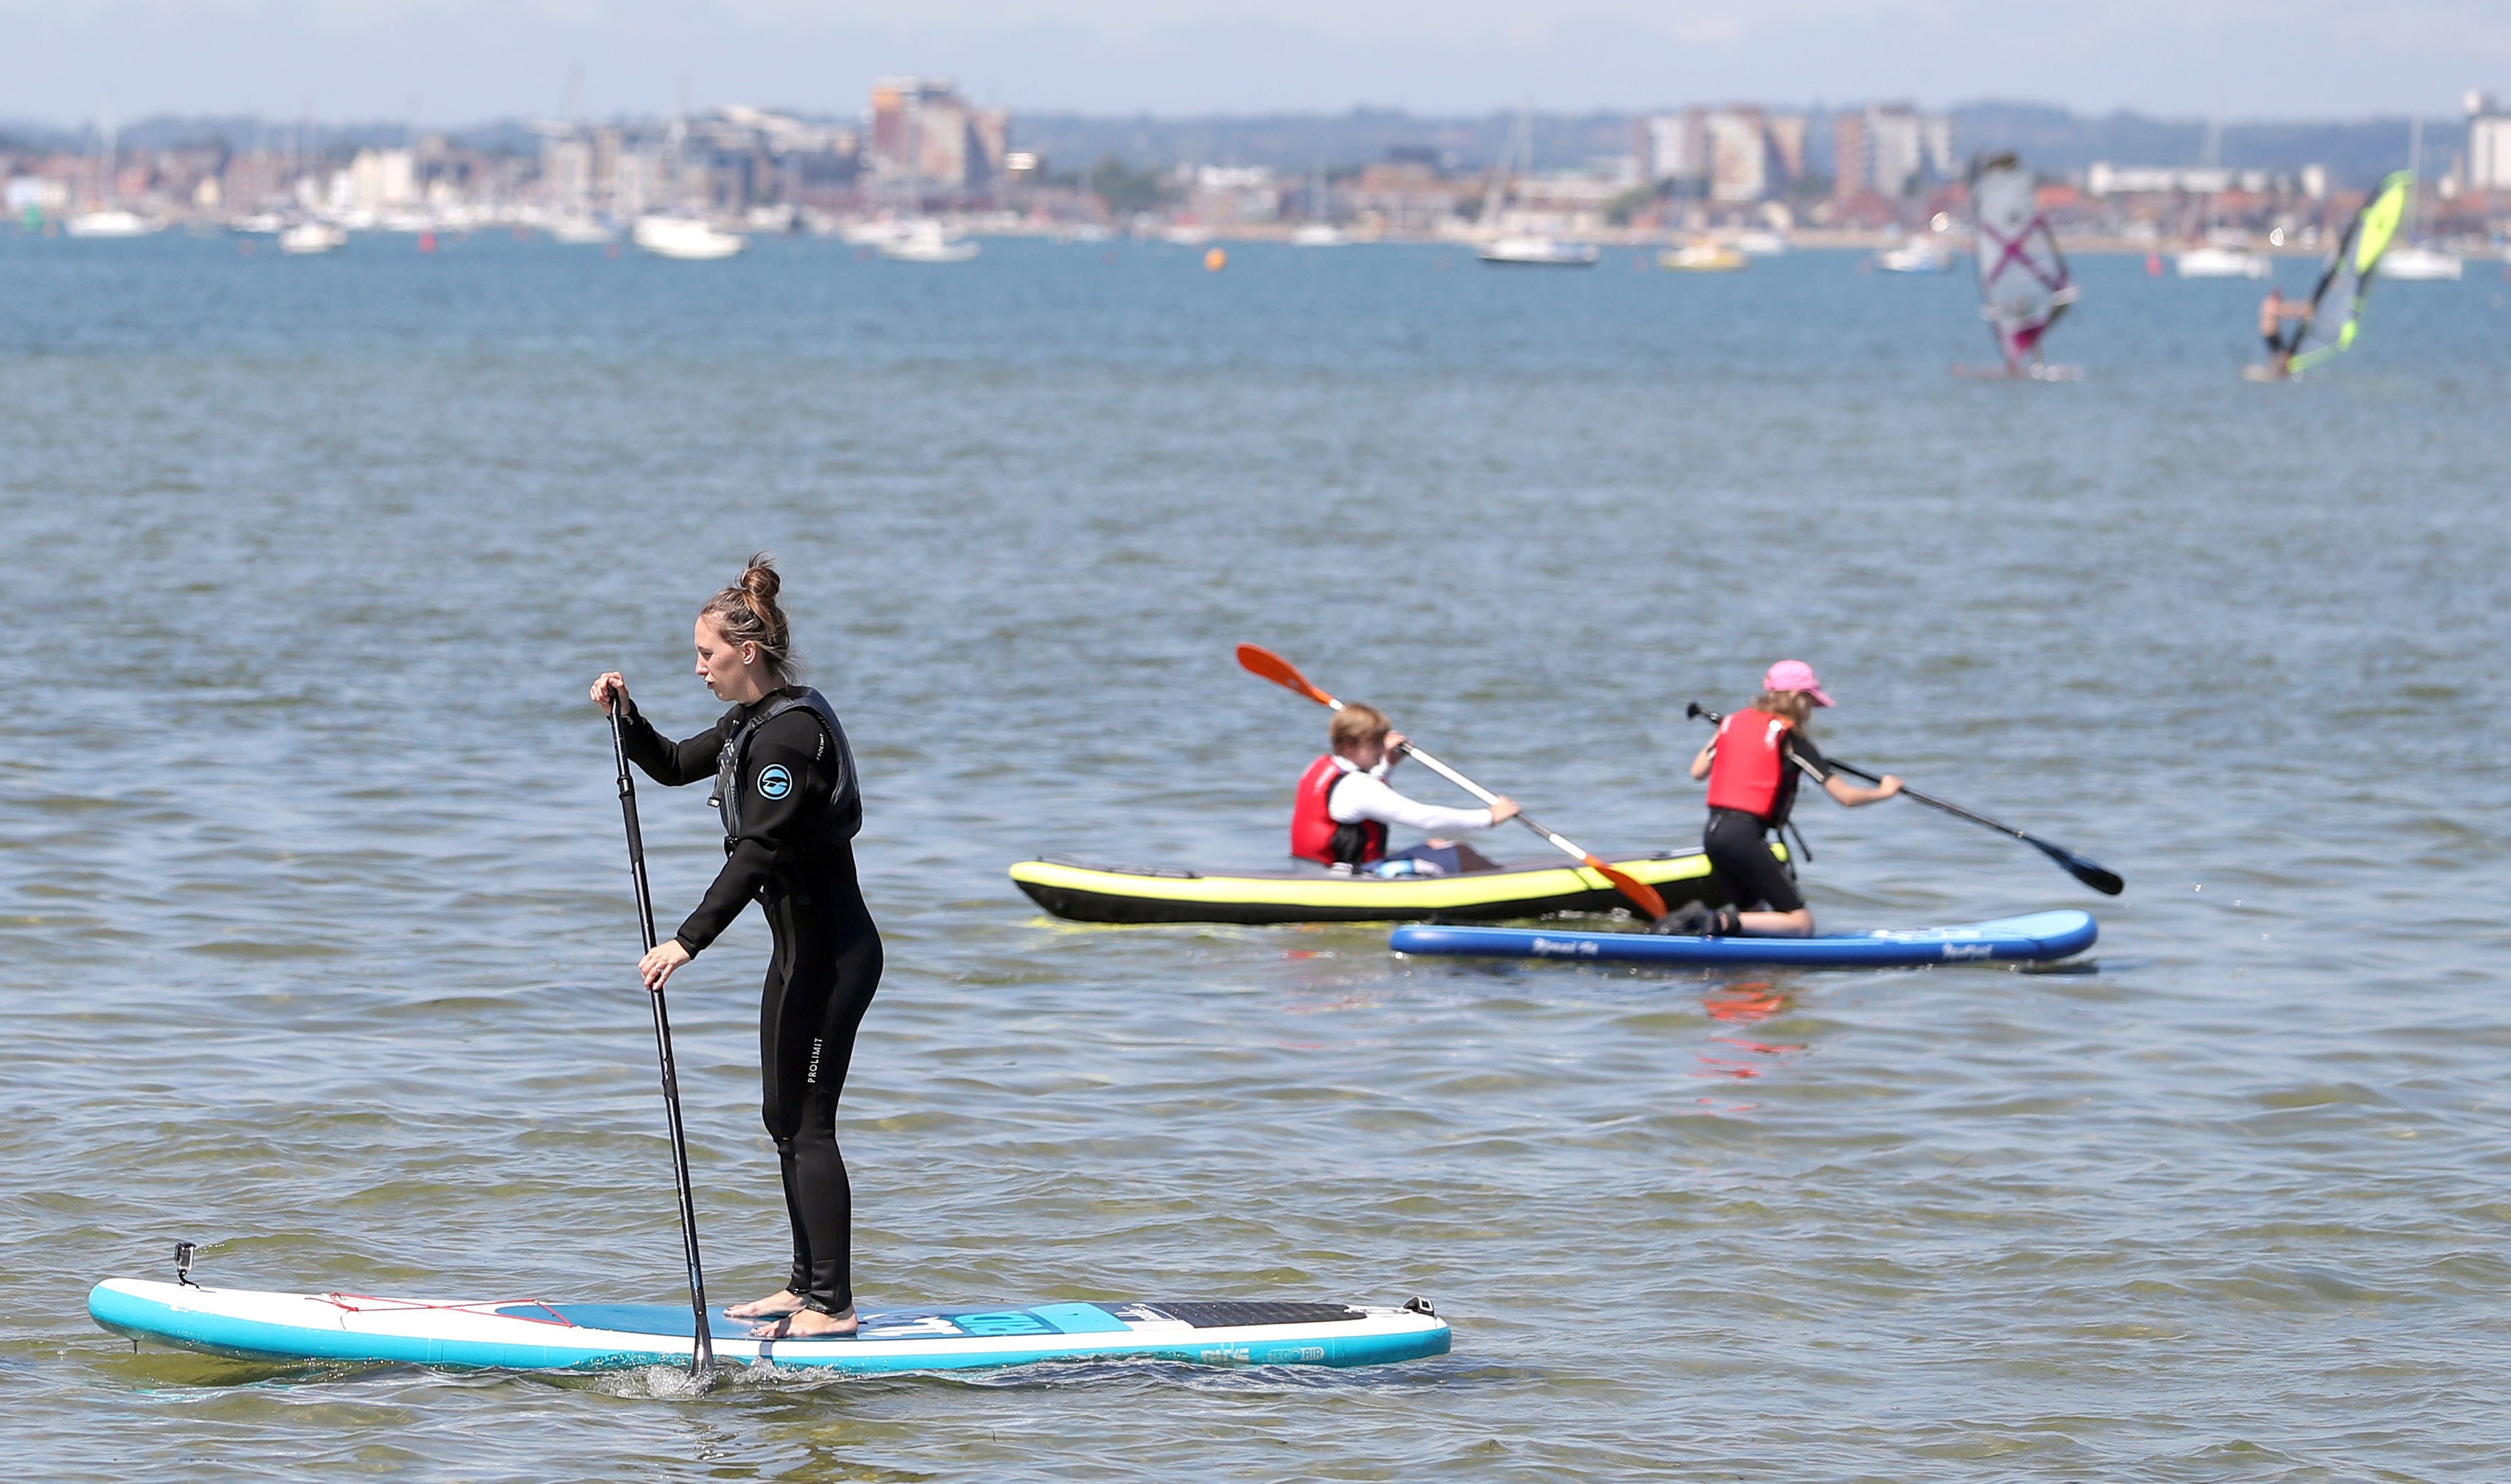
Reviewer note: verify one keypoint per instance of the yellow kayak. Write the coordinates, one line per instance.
(1115, 893)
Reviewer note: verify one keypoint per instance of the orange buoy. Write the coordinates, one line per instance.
(427, 241)
(1214, 260)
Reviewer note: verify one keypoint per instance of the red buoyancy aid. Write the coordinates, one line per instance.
(1314, 833)
(1750, 763)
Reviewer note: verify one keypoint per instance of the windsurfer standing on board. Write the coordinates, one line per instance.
(2273, 312)
(786, 784)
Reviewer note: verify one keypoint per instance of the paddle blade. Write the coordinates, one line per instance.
(1641, 895)
(2085, 869)
(1257, 660)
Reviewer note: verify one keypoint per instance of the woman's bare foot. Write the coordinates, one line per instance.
(775, 1306)
(807, 1324)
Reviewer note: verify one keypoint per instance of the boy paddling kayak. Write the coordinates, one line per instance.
(1753, 765)
(1344, 805)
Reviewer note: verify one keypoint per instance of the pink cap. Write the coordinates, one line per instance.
(1794, 675)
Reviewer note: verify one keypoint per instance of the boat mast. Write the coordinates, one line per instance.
(1500, 163)
(2414, 172)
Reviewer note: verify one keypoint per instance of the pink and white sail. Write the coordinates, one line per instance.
(2023, 283)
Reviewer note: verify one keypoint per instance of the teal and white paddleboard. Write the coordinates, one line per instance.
(530, 1335)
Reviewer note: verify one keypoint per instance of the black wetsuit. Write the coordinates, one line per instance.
(1737, 844)
(791, 814)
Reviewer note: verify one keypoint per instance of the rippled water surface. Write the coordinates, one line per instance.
(317, 933)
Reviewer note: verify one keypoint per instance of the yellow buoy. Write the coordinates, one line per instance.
(1214, 260)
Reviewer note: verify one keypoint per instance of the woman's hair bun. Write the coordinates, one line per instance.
(746, 612)
(759, 578)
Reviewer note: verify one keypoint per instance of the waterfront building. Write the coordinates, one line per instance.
(2488, 144)
(1673, 148)
(1890, 150)
(566, 173)
(1737, 154)
(1410, 192)
(926, 138)
(1787, 134)
(1232, 196)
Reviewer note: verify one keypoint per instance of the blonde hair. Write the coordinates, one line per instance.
(1356, 724)
(1795, 705)
(746, 612)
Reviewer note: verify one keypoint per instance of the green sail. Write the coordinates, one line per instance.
(2345, 283)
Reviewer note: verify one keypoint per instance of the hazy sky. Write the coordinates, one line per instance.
(450, 61)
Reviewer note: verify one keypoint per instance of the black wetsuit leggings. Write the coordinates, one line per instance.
(820, 981)
(1738, 848)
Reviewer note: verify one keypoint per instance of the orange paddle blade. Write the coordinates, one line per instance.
(1643, 895)
(1257, 660)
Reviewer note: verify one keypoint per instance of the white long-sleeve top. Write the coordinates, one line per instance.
(1363, 794)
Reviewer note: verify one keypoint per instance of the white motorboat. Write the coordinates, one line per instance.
(2218, 262)
(878, 231)
(925, 242)
(311, 236)
(1917, 255)
(1759, 242)
(1539, 252)
(686, 239)
(1317, 234)
(2419, 264)
(114, 222)
(582, 231)
(260, 224)
(1703, 256)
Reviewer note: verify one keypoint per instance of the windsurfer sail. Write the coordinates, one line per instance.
(2023, 283)
(2345, 280)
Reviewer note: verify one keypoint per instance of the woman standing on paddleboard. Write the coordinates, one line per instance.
(786, 786)
(1753, 765)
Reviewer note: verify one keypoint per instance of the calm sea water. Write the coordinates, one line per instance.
(317, 933)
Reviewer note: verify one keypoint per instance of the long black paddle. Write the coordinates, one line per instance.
(2083, 868)
(702, 1359)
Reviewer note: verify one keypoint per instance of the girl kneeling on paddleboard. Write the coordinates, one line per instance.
(1752, 764)
(786, 786)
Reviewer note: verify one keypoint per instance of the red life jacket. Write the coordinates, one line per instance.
(1314, 833)
(1750, 764)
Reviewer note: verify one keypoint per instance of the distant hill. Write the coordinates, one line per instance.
(2053, 140)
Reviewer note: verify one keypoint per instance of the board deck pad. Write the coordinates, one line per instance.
(2033, 938)
(532, 1334)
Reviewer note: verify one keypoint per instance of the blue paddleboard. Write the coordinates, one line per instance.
(2040, 937)
(529, 1335)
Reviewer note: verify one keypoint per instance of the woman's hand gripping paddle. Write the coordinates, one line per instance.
(1258, 660)
(701, 1358)
(2083, 868)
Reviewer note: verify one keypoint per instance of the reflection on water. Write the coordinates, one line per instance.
(318, 933)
